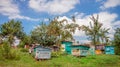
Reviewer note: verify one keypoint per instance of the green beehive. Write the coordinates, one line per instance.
(67, 46)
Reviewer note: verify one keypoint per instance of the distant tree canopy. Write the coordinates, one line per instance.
(10, 29)
(54, 33)
(96, 33)
(117, 41)
(40, 35)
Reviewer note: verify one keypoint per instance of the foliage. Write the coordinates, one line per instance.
(6, 50)
(21, 45)
(10, 29)
(95, 31)
(56, 54)
(117, 41)
(8, 53)
(54, 33)
(27, 39)
(39, 35)
(1, 56)
(62, 30)
(23, 50)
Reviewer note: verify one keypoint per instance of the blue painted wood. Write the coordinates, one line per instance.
(91, 51)
(109, 50)
(42, 53)
(83, 52)
(83, 49)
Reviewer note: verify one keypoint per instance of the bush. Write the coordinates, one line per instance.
(23, 50)
(54, 54)
(58, 53)
(14, 54)
(8, 53)
(6, 50)
(21, 45)
(1, 57)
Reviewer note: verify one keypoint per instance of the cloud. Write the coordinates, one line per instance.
(53, 6)
(110, 3)
(116, 24)
(107, 19)
(46, 20)
(7, 7)
(10, 9)
(17, 16)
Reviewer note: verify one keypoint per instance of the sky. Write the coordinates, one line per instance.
(32, 12)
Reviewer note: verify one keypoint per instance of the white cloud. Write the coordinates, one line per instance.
(17, 16)
(78, 15)
(110, 3)
(116, 24)
(7, 7)
(53, 6)
(10, 9)
(107, 19)
(46, 20)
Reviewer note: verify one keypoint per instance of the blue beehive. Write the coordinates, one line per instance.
(42, 53)
(109, 50)
(79, 50)
(91, 51)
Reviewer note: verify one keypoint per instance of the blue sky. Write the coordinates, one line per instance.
(32, 12)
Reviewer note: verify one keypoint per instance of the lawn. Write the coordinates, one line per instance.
(64, 61)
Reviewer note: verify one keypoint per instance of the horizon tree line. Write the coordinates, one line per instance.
(55, 32)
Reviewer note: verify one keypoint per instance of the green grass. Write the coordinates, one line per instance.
(64, 61)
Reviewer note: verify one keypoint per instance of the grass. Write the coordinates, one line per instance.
(64, 61)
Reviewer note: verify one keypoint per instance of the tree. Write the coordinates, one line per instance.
(117, 41)
(54, 33)
(62, 30)
(103, 36)
(40, 35)
(26, 40)
(10, 29)
(95, 31)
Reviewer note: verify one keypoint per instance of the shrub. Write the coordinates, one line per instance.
(6, 50)
(54, 54)
(58, 53)
(15, 54)
(21, 45)
(23, 50)
(1, 57)
(8, 53)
